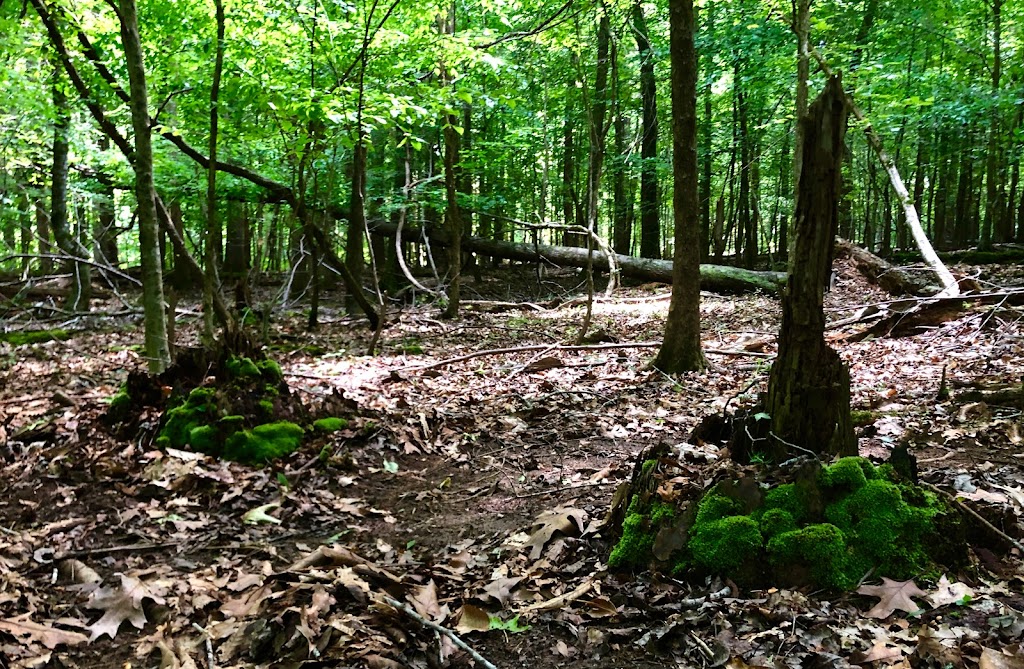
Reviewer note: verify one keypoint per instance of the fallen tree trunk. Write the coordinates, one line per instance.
(715, 278)
(892, 279)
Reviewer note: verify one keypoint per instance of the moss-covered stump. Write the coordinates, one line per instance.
(233, 407)
(821, 526)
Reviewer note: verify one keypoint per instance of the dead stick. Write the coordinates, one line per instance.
(477, 657)
(977, 516)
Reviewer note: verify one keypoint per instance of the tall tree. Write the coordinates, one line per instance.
(681, 349)
(158, 354)
(650, 223)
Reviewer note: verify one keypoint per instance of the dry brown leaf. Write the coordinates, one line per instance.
(120, 604)
(893, 596)
(501, 588)
(569, 521)
(473, 619)
(1001, 659)
(948, 593)
(424, 600)
(24, 629)
(880, 652)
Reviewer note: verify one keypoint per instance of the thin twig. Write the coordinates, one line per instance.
(589, 484)
(409, 611)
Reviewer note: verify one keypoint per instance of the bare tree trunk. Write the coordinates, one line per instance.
(681, 349)
(992, 178)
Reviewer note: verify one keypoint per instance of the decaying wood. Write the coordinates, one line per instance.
(809, 386)
(715, 278)
(893, 280)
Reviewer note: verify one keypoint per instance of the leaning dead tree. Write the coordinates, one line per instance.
(809, 386)
(950, 288)
(718, 278)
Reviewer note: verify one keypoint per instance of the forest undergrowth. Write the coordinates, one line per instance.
(468, 491)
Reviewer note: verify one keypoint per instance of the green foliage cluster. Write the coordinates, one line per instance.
(826, 530)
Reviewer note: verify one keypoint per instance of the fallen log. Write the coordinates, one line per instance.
(892, 279)
(715, 278)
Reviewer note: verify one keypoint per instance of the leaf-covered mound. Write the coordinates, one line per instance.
(230, 406)
(828, 526)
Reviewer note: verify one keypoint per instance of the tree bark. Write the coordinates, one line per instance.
(211, 248)
(155, 324)
(650, 224)
(67, 241)
(809, 385)
(992, 177)
(681, 350)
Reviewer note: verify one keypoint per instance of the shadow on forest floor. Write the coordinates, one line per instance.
(472, 490)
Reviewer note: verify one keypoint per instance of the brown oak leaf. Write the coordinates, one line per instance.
(893, 596)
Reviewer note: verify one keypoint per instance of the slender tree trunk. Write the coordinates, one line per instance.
(211, 248)
(681, 349)
(81, 290)
(568, 169)
(650, 225)
(43, 245)
(155, 324)
(993, 188)
(621, 223)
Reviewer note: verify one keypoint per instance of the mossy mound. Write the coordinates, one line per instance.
(826, 528)
(235, 407)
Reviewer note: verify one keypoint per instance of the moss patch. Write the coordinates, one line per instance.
(264, 442)
(827, 529)
(330, 424)
(25, 337)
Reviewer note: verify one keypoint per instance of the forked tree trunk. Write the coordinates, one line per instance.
(809, 385)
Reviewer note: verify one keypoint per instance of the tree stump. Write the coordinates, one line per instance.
(809, 386)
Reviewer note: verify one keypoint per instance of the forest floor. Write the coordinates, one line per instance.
(474, 491)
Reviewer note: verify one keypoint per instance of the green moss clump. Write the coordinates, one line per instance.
(776, 521)
(205, 439)
(818, 551)
(243, 368)
(197, 410)
(120, 408)
(861, 418)
(25, 337)
(731, 546)
(330, 424)
(788, 498)
(848, 474)
(883, 530)
(714, 507)
(270, 371)
(411, 349)
(266, 407)
(264, 442)
(639, 529)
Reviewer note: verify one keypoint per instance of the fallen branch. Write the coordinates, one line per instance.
(556, 603)
(409, 611)
(585, 347)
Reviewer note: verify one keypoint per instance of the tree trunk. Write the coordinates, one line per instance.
(155, 324)
(650, 225)
(992, 186)
(212, 236)
(707, 145)
(809, 385)
(81, 290)
(681, 349)
(621, 223)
